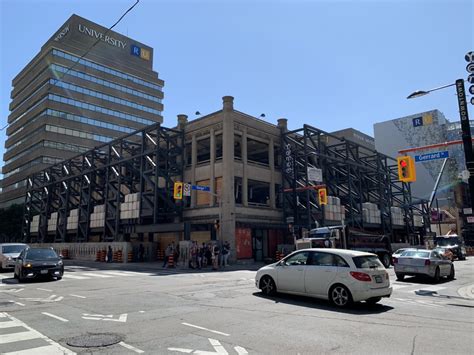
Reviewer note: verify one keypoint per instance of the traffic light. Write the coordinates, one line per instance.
(323, 196)
(406, 169)
(178, 191)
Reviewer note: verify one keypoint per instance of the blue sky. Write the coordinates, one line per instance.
(330, 64)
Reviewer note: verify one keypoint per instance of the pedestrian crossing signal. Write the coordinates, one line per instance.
(323, 196)
(406, 169)
(178, 191)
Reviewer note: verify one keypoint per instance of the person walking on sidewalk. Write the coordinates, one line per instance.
(225, 254)
(215, 257)
(110, 255)
(168, 253)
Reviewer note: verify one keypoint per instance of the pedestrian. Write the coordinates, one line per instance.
(141, 253)
(215, 257)
(110, 255)
(193, 256)
(225, 254)
(208, 254)
(168, 253)
(200, 257)
(175, 253)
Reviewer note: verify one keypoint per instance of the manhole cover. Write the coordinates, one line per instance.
(94, 340)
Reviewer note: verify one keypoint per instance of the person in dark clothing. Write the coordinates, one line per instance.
(110, 255)
(141, 253)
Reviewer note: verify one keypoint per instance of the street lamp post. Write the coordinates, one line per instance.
(465, 128)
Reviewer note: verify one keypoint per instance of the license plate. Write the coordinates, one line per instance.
(44, 271)
(378, 279)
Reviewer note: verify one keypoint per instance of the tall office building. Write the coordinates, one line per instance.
(85, 87)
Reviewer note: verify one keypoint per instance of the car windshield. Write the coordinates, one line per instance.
(447, 241)
(399, 251)
(6, 249)
(416, 253)
(367, 261)
(41, 254)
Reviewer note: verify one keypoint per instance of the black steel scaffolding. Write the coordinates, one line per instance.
(145, 162)
(351, 172)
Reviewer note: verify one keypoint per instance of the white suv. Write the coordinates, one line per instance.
(8, 254)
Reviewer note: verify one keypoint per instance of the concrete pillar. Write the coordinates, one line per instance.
(212, 162)
(227, 223)
(193, 168)
(243, 147)
(271, 160)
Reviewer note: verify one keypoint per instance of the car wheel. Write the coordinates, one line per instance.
(400, 277)
(452, 273)
(436, 276)
(267, 285)
(373, 300)
(386, 260)
(340, 296)
(15, 276)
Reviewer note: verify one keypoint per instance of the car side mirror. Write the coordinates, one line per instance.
(61, 256)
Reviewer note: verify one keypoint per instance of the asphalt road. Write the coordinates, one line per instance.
(147, 309)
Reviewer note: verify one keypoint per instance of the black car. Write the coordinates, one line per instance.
(454, 243)
(38, 262)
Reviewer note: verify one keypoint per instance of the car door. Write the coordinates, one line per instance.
(443, 263)
(321, 271)
(290, 273)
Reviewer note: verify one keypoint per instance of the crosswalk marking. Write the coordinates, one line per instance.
(47, 349)
(117, 273)
(430, 288)
(11, 338)
(26, 333)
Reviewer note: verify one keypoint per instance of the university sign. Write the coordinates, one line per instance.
(99, 35)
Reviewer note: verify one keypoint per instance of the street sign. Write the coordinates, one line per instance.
(470, 219)
(469, 57)
(466, 211)
(201, 188)
(431, 156)
(186, 189)
(315, 174)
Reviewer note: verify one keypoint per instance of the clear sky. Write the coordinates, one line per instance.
(330, 64)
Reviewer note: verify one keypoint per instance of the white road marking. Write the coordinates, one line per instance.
(114, 273)
(95, 275)
(77, 296)
(76, 277)
(122, 318)
(9, 324)
(47, 349)
(49, 299)
(53, 348)
(202, 328)
(56, 317)
(11, 338)
(18, 303)
(399, 286)
(12, 290)
(44, 289)
(181, 350)
(240, 350)
(131, 347)
(141, 311)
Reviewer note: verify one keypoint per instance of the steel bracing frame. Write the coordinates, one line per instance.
(352, 172)
(146, 162)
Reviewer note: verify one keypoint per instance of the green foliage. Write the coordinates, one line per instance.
(10, 223)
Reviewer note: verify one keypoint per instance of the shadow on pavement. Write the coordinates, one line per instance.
(308, 302)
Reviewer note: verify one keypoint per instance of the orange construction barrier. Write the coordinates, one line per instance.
(130, 256)
(102, 255)
(170, 261)
(160, 255)
(65, 253)
(97, 257)
(119, 256)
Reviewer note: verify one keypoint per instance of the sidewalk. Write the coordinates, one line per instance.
(157, 266)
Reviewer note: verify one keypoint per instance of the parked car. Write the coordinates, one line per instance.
(339, 275)
(38, 262)
(399, 252)
(423, 262)
(9, 252)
